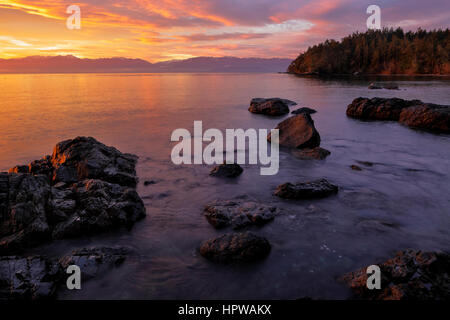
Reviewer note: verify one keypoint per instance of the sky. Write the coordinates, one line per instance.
(178, 29)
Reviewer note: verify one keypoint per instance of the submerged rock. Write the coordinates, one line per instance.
(238, 213)
(271, 106)
(298, 132)
(54, 200)
(304, 110)
(235, 247)
(231, 170)
(306, 190)
(411, 274)
(28, 278)
(355, 167)
(413, 113)
(373, 86)
(317, 153)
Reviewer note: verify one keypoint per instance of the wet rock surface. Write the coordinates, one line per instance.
(235, 248)
(317, 153)
(304, 110)
(298, 132)
(226, 170)
(410, 275)
(412, 113)
(270, 106)
(56, 200)
(306, 190)
(238, 213)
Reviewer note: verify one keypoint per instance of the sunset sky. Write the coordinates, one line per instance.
(176, 29)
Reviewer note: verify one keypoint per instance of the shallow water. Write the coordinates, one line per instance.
(400, 202)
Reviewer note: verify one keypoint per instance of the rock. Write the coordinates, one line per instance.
(410, 275)
(86, 158)
(238, 213)
(33, 211)
(235, 248)
(373, 86)
(427, 116)
(391, 87)
(19, 169)
(306, 190)
(227, 170)
(365, 163)
(304, 110)
(149, 182)
(355, 167)
(27, 278)
(317, 153)
(95, 261)
(413, 113)
(271, 106)
(298, 132)
(379, 108)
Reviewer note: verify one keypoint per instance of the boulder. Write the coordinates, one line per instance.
(306, 190)
(235, 248)
(231, 170)
(427, 116)
(317, 153)
(373, 86)
(297, 132)
(95, 261)
(238, 213)
(379, 108)
(28, 278)
(410, 275)
(304, 110)
(271, 106)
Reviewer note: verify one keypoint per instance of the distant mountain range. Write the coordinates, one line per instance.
(72, 64)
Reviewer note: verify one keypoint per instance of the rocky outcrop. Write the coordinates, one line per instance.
(388, 87)
(235, 248)
(231, 170)
(271, 106)
(304, 110)
(410, 275)
(306, 190)
(38, 277)
(28, 278)
(238, 213)
(60, 198)
(298, 132)
(413, 113)
(317, 153)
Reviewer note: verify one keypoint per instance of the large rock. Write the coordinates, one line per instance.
(413, 113)
(427, 116)
(379, 108)
(86, 158)
(238, 213)
(410, 275)
(306, 190)
(271, 106)
(298, 132)
(28, 278)
(235, 248)
(228, 170)
(54, 200)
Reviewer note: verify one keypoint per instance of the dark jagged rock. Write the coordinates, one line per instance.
(28, 278)
(317, 153)
(50, 202)
(304, 110)
(19, 169)
(238, 213)
(227, 170)
(271, 106)
(379, 108)
(297, 132)
(411, 275)
(413, 113)
(306, 190)
(95, 261)
(235, 248)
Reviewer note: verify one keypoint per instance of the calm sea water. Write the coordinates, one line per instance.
(401, 202)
